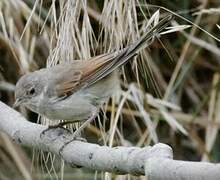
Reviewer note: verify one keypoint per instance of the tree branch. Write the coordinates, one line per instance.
(155, 162)
(169, 169)
(120, 160)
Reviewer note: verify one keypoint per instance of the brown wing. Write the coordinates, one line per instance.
(85, 73)
(82, 74)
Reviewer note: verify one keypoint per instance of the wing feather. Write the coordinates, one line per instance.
(80, 73)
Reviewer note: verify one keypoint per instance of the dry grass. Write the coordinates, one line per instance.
(169, 92)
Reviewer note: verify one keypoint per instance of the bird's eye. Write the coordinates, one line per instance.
(31, 91)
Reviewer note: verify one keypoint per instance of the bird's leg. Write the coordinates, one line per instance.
(75, 135)
(59, 125)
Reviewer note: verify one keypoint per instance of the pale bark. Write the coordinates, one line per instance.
(120, 160)
(155, 162)
(169, 169)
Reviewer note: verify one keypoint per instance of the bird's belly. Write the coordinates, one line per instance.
(82, 104)
(74, 108)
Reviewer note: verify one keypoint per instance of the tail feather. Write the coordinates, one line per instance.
(127, 53)
(144, 40)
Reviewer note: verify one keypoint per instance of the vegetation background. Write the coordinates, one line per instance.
(169, 93)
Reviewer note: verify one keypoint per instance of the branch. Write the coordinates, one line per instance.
(169, 169)
(120, 160)
(155, 162)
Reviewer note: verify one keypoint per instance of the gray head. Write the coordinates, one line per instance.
(28, 88)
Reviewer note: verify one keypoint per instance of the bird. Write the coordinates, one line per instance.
(74, 91)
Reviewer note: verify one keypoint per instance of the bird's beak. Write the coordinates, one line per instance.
(17, 103)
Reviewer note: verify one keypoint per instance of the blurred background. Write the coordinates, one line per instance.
(169, 93)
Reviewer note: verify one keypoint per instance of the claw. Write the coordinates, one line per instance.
(76, 138)
(77, 132)
(59, 125)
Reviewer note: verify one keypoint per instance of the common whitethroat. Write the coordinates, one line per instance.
(74, 91)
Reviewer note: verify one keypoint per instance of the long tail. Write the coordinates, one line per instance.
(144, 41)
(115, 60)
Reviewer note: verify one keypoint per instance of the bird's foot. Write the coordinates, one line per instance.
(59, 125)
(75, 138)
(76, 134)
